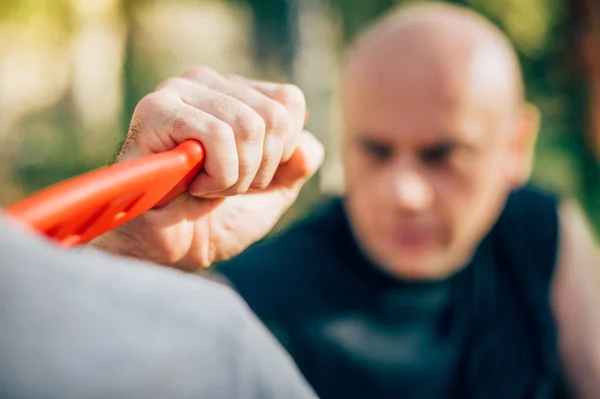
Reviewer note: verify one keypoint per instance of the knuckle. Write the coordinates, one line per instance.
(180, 121)
(246, 175)
(220, 132)
(223, 105)
(249, 126)
(261, 182)
(277, 118)
(229, 180)
(170, 83)
(222, 138)
(178, 118)
(152, 102)
(291, 96)
(245, 168)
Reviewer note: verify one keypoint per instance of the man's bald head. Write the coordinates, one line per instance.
(448, 46)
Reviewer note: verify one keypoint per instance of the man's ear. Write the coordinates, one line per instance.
(525, 139)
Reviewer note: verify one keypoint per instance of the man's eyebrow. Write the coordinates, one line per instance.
(469, 142)
(455, 142)
(372, 138)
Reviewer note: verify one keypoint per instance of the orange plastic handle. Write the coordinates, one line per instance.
(75, 211)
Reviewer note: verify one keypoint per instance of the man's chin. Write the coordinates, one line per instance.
(419, 266)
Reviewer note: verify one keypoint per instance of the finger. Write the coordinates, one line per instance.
(278, 121)
(292, 98)
(163, 121)
(247, 125)
(303, 164)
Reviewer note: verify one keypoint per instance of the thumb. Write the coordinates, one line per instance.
(304, 163)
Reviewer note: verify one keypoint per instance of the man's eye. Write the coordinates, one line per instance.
(379, 151)
(439, 154)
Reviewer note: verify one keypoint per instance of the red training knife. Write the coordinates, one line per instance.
(77, 210)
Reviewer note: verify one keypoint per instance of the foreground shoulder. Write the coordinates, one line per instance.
(125, 320)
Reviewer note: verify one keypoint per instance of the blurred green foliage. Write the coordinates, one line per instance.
(26, 10)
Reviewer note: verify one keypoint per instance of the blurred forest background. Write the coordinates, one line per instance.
(71, 72)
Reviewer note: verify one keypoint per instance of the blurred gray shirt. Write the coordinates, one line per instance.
(84, 324)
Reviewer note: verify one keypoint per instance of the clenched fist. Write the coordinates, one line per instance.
(257, 158)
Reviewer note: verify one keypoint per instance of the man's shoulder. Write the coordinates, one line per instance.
(535, 210)
(535, 196)
(529, 230)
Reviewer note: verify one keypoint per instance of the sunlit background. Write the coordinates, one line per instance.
(71, 72)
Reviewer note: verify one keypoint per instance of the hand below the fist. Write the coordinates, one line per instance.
(257, 158)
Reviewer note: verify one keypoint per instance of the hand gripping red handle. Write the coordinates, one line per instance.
(77, 210)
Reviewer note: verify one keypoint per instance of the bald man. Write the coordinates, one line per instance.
(439, 274)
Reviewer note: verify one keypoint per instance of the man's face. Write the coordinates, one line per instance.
(428, 166)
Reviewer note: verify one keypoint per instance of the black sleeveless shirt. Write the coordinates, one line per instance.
(354, 332)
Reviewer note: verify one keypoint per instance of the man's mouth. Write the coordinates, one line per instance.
(412, 238)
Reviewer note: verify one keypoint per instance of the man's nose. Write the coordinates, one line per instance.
(412, 192)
